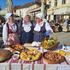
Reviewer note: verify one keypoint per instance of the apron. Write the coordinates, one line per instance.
(40, 35)
(27, 34)
(12, 36)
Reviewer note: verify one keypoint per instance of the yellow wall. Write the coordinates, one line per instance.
(68, 1)
(59, 4)
(25, 11)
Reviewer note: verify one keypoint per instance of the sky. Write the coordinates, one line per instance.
(3, 3)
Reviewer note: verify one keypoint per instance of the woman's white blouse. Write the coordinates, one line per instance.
(27, 27)
(47, 27)
(5, 33)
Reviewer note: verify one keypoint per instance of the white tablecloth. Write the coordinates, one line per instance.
(35, 66)
(15, 66)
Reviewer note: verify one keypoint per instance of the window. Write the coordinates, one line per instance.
(63, 1)
(50, 3)
(55, 4)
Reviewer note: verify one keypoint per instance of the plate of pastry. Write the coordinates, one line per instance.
(30, 54)
(51, 57)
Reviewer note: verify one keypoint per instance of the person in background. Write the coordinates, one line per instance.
(27, 28)
(42, 28)
(10, 31)
(65, 25)
(68, 25)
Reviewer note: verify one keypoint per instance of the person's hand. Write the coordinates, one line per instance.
(6, 43)
(34, 43)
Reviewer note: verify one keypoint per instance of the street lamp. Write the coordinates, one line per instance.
(10, 5)
(43, 8)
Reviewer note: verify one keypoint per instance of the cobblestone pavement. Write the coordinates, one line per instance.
(63, 37)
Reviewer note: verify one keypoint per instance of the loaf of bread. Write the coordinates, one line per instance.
(5, 55)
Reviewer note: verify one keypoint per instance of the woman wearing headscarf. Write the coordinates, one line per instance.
(27, 28)
(42, 28)
(10, 31)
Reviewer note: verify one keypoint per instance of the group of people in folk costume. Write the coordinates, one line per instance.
(28, 32)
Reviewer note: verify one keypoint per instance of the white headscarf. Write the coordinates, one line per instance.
(8, 15)
(39, 15)
(47, 26)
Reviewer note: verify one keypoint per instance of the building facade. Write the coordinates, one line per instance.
(3, 12)
(58, 9)
(26, 9)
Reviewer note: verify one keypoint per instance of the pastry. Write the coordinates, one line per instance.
(53, 57)
(5, 55)
(17, 47)
(30, 55)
